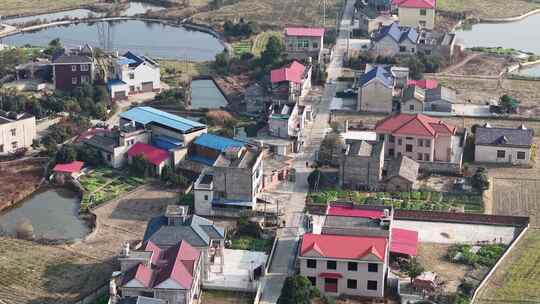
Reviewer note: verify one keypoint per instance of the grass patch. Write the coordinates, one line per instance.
(241, 47)
(260, 41)
(251, 243)
(226, 297)
(489, 8)
(176, 72)
(12, 7)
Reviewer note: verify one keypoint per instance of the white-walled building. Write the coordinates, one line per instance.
(134, 74)
(503, 145)
(16, 131)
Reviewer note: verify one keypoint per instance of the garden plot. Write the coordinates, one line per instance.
(517, 197)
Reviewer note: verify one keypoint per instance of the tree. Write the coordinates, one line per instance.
(66, 154)
(330, 145)
(315, 179)
(413, 268)
(139, 166)
(509, 105)
(273, 53)
(54, 46)
(90, 155)
(295, 290)
(166, 173)
(416, 68)
(480, 180)
(221, 63)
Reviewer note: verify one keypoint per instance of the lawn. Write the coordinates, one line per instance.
(489, 8)
(414, 200)
(177, 72)
(102, 185)
(12, 7)
(251, 243)
(517, 280)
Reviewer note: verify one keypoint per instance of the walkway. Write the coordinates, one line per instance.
(282, 263)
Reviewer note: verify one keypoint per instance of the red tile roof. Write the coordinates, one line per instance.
(354, 212)
(90, 133)
(72, 167)
(404, 241)
(414, 125)
(425, 84)
(415, 3)
(152, 154)
(294, 72)
(304, 31)
(343, 247)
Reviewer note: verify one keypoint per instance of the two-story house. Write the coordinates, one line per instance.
(416, 13)
(304, 42)
(361, 164)
(420, 137)
(290, 83)
(72, 70)
(16, 131)
(503, 145)
(133, 74)
(286, 120)
(393, 39)
(377, 88)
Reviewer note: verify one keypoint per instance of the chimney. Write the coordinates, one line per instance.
(125, 250)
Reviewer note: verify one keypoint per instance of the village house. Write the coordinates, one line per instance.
(441, 99)
(276, 170)
(158, 136)
(286, 121)
(16, 131)
(256, 99)
(63, 173)
(402, 175)
(378, 86)
(370, 20)
(416, 13)
(302, 43)
(436, 145)
(393, 39)
(412, 100)
(361, 165)
(290, 83)
(73, 69)
(230, 175)
(133, 74)
(503, 145)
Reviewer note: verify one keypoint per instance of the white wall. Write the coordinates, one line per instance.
(488, 154)
(143, 73)
(25, 133)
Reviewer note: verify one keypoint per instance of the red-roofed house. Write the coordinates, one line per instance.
(416, 13)
(424, 84)
(421, 138)
(290, 82)
(70, 170)
(172, 275)
(342, 264)
(157, 157)
(304, 42)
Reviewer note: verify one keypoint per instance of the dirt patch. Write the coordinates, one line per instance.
(433, 258)
(488, 8)
(226, 297)
(483, 64)
(517, 197)
(19, 179)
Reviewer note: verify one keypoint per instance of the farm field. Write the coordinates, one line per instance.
(26, 174)
(176, 72)
(517, 197)
(489, 8)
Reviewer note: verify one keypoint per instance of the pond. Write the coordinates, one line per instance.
(205, 94)
(149, 38)
(520, 35)
(134, 8)
(53, 213)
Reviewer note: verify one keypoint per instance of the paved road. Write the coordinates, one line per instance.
(286, 248)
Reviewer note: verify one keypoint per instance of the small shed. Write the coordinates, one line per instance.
(65, 172)
(427, 281)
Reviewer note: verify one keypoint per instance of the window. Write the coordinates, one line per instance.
(372, 285)
(352, 266)
(392, 138)
(85, 79)
(315, 45)
(428, 143)
(411, 107)
(352, 284)
(402, 49)
(73, 80)
(74, 68)
(13, 132)
(1, 148)
(420, 142)
(313, 280)
(373, 267)
(419, 156)
(391, 152)
(85, 67)
(131, 76)
(426, 157)
(332, 265)
(408, 148)
(521, 155)
(311, 263)
(306, 43)
(205, 197)
(409, 138)
(14, 145)
(501, 154)
(381, 137)
(132, 88)
(399, 154)
(423, 12)
(148, 294)
(399, 141)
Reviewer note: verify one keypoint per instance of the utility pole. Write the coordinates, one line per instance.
(324, 13)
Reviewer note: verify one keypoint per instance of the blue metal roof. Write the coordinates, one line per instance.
(396, 32)
(202, 159)
(380, 73)
(146, 115)
(124, 60)
(166, 142)
(217, 142)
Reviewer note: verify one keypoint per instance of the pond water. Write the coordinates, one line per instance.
(149, 38)
(53, 213)
(133, 9)
(205, 94)
(520, 35)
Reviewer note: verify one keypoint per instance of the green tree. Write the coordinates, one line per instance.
(221, 63)
(166, 173)
(273, 53)
(416, 68)
(315, 179)
(90, 156)
(413, 268)
(331, 144)
(139, 166)
(53, 47)
(480, 179)
(66, 154)
(295, 290)
(509, 104)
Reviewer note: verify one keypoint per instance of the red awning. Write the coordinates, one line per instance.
(330, 275)
(72, 167)
(404, 241)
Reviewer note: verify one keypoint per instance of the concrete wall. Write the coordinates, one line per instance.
(279, 127)
(375, 97)
(416, 104)
(412, 17)
(488, 154)
(25, 133)
(451, 233)
(389, 47)
(398, 183)
(361, 275)
(356, 171)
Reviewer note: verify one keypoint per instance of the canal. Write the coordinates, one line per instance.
(52, 212)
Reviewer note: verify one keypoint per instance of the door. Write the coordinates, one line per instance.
(330, 285)
(147, 86)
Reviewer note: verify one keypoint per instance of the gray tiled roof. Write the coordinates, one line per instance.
(441, 93)
(73, 59)
(404, 167)
(503, 137)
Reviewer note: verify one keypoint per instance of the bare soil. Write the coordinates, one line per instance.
(226, 297)
(19, 179)
(484, 64)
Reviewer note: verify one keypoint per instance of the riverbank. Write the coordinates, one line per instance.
(20, 8)
(19, 179)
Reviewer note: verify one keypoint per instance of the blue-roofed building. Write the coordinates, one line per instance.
(377, 88)
(140, 74)
(391, 40)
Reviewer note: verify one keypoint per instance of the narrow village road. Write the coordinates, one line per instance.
(286, 249)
